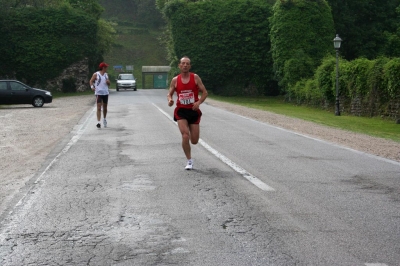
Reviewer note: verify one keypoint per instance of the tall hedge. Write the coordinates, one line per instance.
(366, 87)
(301, 31)
(43, 42)
(227, 41)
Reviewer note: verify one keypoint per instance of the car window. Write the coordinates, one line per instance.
(3, 85)
(128, 76)
(15, 86)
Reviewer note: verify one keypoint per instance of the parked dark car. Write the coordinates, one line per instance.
(16, 92)
(126, 81)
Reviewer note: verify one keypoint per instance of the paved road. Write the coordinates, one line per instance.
(259, 195)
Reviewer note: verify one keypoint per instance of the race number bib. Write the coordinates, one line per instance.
(186, 98)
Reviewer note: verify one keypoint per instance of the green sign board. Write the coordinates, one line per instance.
(160, 81)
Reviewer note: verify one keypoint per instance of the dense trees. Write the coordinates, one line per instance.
(133, 11)
(50, 42)
(228, 42)
(365, 26)
(44, 37)
(237, 46)
(301, 33)
(295, 37)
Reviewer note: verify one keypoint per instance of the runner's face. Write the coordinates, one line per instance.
(184, 65)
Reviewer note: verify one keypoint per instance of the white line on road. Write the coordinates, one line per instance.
(375, 264)
(73, 140)
(254, 180)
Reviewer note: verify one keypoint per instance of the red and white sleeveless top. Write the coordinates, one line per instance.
(188, 93)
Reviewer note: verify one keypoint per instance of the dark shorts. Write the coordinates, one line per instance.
(102, 99)
(193, 117)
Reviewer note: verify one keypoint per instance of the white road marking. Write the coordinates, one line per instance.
(254, 180)
(375, 264)
(73, 140)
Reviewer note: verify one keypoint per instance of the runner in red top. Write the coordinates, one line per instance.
(187, 86)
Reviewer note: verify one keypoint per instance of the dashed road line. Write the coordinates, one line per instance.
(254, 180)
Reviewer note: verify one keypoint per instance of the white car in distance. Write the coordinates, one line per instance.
(126, 81)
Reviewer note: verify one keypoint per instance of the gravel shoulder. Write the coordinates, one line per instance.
(28, 135)
(372, 145)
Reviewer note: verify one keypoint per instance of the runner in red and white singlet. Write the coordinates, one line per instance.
(187, 113)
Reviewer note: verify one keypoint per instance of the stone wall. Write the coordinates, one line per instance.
(374, 107)
(79, 71)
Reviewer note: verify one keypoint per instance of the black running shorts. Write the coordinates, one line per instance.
(102, 99)
(193, 117)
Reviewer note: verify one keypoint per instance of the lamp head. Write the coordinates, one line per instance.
(337, 42)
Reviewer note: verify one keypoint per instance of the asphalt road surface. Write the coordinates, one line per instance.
(258, 195)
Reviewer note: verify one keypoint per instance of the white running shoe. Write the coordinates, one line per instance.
(189, 165)
(105, 122)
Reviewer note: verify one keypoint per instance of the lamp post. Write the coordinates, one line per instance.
(336, 43)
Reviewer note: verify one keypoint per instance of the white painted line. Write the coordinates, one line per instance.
(71, 143)
(375, 264)
(73, 140)
(257, 182)
(254, 180)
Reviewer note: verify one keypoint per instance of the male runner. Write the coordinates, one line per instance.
(99, 84)
(187, 86)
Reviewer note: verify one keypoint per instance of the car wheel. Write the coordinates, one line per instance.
(117, 89)
(38, 101)
(134, 89)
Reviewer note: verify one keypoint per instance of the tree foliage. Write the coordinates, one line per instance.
(41, 49)
(366, 27)
(227, 41)
(301, 35)
(142, 12)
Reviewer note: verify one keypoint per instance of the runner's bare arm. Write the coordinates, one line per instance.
(171, 91)
(91, 82)
(203, 91)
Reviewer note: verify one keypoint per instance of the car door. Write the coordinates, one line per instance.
(20, 93)
(5, 93)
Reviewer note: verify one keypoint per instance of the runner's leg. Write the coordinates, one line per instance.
(184, 129)
(105, 110)
(194, 133)
(99, 111)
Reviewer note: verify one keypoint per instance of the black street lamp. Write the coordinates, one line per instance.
(336, 43)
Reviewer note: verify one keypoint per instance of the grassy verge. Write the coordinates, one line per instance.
(376, 127)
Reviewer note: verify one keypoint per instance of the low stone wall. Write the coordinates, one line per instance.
(361, 107)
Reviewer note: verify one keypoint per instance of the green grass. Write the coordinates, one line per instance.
(375, 126)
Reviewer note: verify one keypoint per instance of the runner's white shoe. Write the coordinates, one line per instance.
(189, 165)
(105, 122)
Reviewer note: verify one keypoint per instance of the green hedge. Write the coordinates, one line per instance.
(366, 87)
(227, 41)
(301, 35)
(43, 42)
